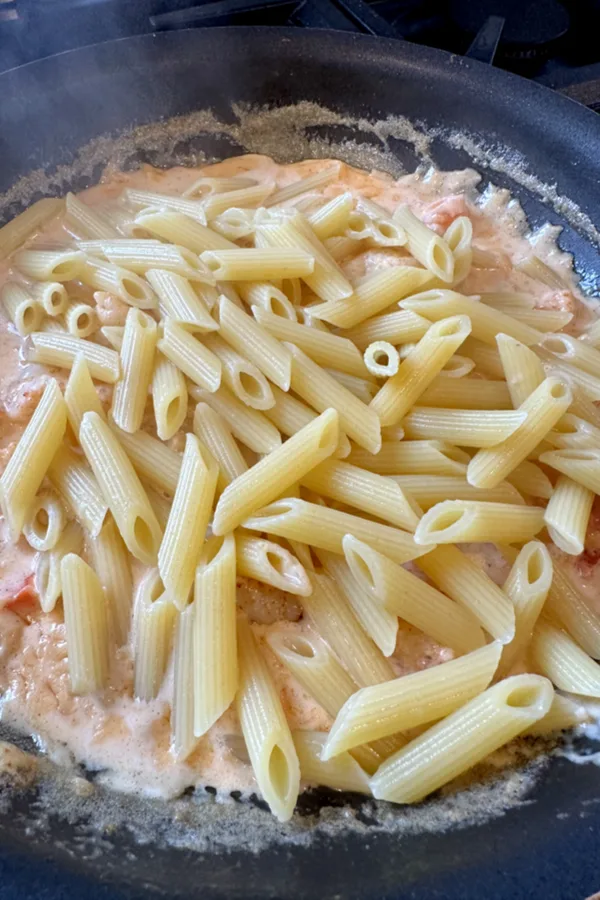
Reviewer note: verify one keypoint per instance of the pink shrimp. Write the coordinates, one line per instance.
(111, 310)
(441, 213)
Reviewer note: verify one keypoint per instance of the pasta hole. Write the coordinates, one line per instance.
(522, 697)
(387, 230)
(40, 523)
(440, 256)
(559, 390)
(29, 316)
(83, 321)
(300, 646)
(455, 454)
(279, 773)
(279, 308)
(363, 568)
(55, 299)
(448, 329)
(157, 589)
(446, 519)
(63, 268)
(133, 288)
(556, 344)
(580, 455)
(213, 264)
(173, 411)
(356, 222)
(143, 535)
(276, 561)
(535, 566)
(251, 385)
(381, 358)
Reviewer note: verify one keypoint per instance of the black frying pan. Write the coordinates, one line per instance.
(49, 111)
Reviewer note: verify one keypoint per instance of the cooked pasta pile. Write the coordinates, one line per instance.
(334, 431)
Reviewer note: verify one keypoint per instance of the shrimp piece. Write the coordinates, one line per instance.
(563, 300)
(441, 213)
(111, 310)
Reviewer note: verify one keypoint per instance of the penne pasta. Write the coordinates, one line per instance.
(121, 488)
(253, 196)
(212, 431)
(398, 327)
(573, 431)
(81, 395)
(265, 729)
(185, 532)
(466, 393)
(180, 227)
(137, 363)
(179, 302)
(425, 245)
(242, 377)
(156, 201)
(557, 656)
(139, 256)
(51, 295)
(154, 620)
(191, 356)
(332, 218)
(28, 464)
(261, 264)
(50, 265)
(304, 185)
(405, 595)
(427, 490)
(573, 351)
(86, 625)
(215, 675)
(411, 701)
(61, 350)
(268, 298)
(250, 426)
(184, 740)
(45, 522)
(567, 515)
(87, 221)
(527, 587)
(22, 227)
(461, 521)
(340, 774)
(207, 185)
(381, 359)
(458, 576)
(270, 563)
(544, 407)
(169, 397)
(469, 428)
(530, 480)
(151, 459)
(522, 368)
(573, 610)
(48, 581)
(563, 713)
(78, 489)
(461, 740)
(112, 566)
(325, 528)
(418, 370)
(412, 458)
(81, 319)
(21, 307)
(125, 284)
(581, 466)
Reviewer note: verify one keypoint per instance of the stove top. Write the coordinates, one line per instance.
(551, 41)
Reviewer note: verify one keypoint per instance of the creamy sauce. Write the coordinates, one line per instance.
(128, 742)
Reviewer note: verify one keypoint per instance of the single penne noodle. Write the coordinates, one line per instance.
(87, 221)
(215, 674)
(486, 322)
(304, 185)
(81, 319)
(141, 255)
(461, 521)
(340, 774)
(544, 320)
(466, 393)
(51, 295)
(425, 245)
(184, 740)
(86, 625)
(332, 217)
(486, 358)
(254, 342)
(50, 265)
(330, 613)
(573, 351)
(28, 465)
(411, 701)
(177, 300)
(213, 431)
(557, 656)
(158, 202)
(398, 327)
(270, 563)
(22, 308)
(121, 488)
(207, 185)
(458, 576)
(260, 264)
(587, 384)
(180, 228)
(45, 522)
(567, 515)
(470, 428)
(381, 359)
(152, 459)
(78, 488)
(169, 397)
(412, 458)
(128, 287)
(376, 621)
(457, 367)
(427, 490)
(508, 300)
(137, 363)
(188, 520)
(289, 415)
(405, 595)
(265, 728)
(23, 226)
(487, 259)
(461, 740)
(372, 295)
(540, 271)
(276, 472)
(328, 350)
(268, 298)
(418, 370)
(529, 480)
(544, 407)
(80, 394)
(61, 350)
(362, 389)
(48, 582)
(153, 622)
(321, 391)
(573, 431)
(527, 587)
(563, 714)
(112, 566)
(582, 466)
(253, 196)
(366, 491)
(523, 370)
(190, 355)
(573, 610)
(326, 279)
(250, 426)
(159, 503)
(242, 377)
(323, 527)
(458, 236)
